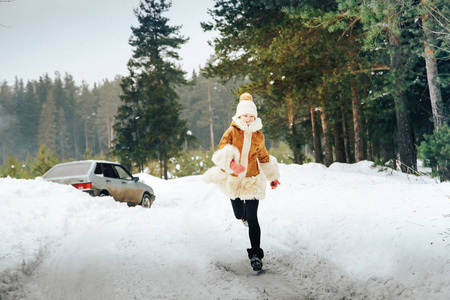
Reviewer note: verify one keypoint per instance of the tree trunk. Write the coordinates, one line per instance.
(432, 76)
(357, 123)
(211, 129)
(298, 159)
(317, 144)
(367, 143)
(345, 132)
(408, 162)
(161, 167)
(326, 137)
(388, 151)
(165, 168)
(339, 145)
(109, 132)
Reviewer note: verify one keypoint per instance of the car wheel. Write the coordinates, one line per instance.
(103, 194)
(146, 201)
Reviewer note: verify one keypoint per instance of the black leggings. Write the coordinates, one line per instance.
(248, 209)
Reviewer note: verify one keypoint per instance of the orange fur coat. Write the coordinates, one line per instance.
(245, 144)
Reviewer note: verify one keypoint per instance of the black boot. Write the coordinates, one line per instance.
(256, 256)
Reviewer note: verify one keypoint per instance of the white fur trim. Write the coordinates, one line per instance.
(245, 151)
(223, 157)
(253, 126)
(234, 187)
(214, 175)
(270, 169)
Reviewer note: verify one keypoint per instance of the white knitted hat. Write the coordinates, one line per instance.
(246, 106)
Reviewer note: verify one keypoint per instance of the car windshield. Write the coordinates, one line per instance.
(69, 170)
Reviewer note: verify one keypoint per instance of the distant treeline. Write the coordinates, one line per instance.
(74, 121)
(67, 118)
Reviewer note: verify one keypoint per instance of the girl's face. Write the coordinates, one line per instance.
(247, 118)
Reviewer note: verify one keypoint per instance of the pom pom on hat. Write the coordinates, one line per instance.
(246, 96)
(246, 106)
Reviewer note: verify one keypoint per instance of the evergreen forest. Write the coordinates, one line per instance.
(76, 122)
(335, 81)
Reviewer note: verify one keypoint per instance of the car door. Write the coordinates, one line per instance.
(113, 182)
(131, 189)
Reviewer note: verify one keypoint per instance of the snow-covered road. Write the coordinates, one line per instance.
(347, 231)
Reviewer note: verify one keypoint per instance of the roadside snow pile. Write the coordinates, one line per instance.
(347, 231)
(36, 215)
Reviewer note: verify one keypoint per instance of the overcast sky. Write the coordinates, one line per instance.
(87, 38)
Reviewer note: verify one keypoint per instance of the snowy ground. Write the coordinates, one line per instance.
(344, 232)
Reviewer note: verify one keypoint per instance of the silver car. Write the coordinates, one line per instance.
(103, 178)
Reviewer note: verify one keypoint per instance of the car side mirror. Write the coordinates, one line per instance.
(135, 179)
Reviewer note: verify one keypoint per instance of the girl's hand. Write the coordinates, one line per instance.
(236, 167)
(274, 184)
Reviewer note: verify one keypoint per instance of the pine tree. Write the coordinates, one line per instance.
(148, 124)
(31, 114)
(47, 131)
(6, 117)
(19, 92)
(45, 160)
(70, 109)
(109, 101)
(404, 126)
(87, 112)
(62, 110)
